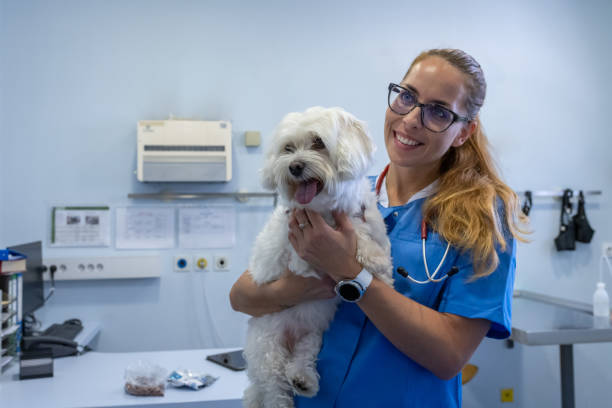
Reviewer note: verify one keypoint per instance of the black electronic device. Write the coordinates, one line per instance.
(59, 346)
(67, 330)
(36, 364)
(59, 338)
(234, 360)
(33, 290)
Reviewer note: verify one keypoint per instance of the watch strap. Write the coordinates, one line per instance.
(364, 278)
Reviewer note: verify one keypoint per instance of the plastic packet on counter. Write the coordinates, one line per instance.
(145, 378)
(190, 379)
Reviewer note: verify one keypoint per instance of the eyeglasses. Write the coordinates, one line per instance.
(433, 116)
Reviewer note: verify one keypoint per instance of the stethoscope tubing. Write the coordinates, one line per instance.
(430, 277)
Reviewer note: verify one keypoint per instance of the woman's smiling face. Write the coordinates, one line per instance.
(408, 142)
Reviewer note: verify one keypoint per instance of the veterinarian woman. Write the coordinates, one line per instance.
(405, 346)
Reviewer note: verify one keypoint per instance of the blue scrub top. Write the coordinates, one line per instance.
(359, 367)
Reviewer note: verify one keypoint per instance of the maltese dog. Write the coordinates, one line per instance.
(317, 160)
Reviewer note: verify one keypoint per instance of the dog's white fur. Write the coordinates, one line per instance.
(281, 348)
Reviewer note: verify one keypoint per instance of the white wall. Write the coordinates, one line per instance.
(2, 115)
(79, 75)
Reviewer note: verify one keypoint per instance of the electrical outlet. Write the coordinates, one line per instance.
(507, 395)
(103, 267)
(200, 263)
(222, 263)
(182, 263)
(606, 249)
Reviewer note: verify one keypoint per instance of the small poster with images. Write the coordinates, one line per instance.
(80, 227)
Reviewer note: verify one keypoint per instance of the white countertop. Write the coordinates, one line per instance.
(97, 380)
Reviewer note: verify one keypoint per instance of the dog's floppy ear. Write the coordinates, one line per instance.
(355, 149)
(268, 181)
(267, 173)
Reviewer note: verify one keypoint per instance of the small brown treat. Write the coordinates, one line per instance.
(145, 390)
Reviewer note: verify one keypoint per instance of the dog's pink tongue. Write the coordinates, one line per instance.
(306, 192)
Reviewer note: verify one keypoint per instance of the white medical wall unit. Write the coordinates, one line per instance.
(184, 151)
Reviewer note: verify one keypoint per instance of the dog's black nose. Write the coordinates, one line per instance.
(296, 168)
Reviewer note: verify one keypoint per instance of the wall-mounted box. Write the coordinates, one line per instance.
(184, 150)
(252, 138)
(104, 267)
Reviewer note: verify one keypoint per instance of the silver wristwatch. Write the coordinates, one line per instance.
(352, 290)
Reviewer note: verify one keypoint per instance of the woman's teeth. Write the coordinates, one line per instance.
(406, 141)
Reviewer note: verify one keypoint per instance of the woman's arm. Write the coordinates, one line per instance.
(289, 290)
(440, 342)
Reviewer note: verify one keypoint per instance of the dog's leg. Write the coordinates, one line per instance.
(267, 354)
(278, 398)
(270, 388)
(373, 255)
(301, 370)
(270, 396)
(253, 397)
(299, 266)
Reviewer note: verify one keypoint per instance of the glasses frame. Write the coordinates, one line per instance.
(417, 104)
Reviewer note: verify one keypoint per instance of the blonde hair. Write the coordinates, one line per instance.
(473, 209)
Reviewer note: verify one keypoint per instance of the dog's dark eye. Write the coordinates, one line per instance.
(318, 144)
(289, 148)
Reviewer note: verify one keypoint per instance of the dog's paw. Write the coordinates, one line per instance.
(304, 382)
(307, 387)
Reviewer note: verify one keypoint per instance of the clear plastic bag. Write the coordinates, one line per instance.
(145, 378)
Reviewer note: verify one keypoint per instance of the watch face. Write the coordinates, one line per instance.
(349, 291)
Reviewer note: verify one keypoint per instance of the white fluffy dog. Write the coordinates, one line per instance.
(318, 160)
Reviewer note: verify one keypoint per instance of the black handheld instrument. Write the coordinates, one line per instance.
(234, 360)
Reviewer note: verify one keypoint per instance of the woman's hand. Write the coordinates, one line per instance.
(289, 290)
(326, 249)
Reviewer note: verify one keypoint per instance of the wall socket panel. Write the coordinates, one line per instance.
(606, 249)
(107, 267)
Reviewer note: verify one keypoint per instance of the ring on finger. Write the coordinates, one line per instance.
(301, 226)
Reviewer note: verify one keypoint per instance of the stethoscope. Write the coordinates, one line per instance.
(430, 277)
